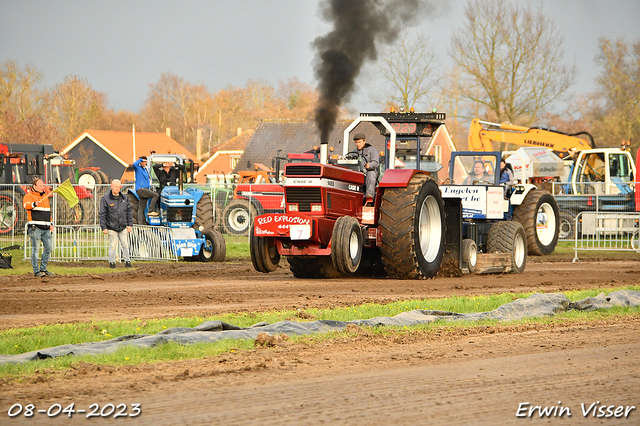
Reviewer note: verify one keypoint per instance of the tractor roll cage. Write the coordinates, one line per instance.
(376, 119)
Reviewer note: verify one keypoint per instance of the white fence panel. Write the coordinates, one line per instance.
(596, 197)
(606, 231)
(72, 243)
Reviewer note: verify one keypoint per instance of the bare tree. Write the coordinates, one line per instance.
(21, 118)
(300, 98)
(510, 57)
(19, 92)
(72, 107)
(182, 106)
(613, 111)
(406, 72)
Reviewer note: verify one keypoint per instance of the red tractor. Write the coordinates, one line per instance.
(410, 232)
(326, 230)
(256, 192)
(19, 163)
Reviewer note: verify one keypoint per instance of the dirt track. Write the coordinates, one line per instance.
(474, 376)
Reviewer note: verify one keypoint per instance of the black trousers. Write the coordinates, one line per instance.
(144, 194)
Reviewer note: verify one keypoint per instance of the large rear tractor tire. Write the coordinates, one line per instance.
(214, 249)
(413, 229)
(103, 177)
(89, 179)
(239, 215)
(509, 237)
(346, 244)
(264, 254)
(10, 213)
(204, 213)
(69, 216)
(540, 218)
(312, 267)
(89, 211)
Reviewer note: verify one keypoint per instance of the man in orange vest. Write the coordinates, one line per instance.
(39, 227)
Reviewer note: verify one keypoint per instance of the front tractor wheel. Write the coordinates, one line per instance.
(412, 220)
(509, 237)
(470, 254)
(346, 244)
(264, 254)
(214, 248)
(540, 218)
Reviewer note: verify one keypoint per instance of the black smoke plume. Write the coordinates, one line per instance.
(358, 26)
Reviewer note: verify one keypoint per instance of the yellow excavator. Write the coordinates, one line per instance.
(482, 134)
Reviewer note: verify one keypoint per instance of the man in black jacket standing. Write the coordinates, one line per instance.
(116, 221)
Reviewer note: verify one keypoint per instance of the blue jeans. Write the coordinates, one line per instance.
(114, 236)
(36, 234)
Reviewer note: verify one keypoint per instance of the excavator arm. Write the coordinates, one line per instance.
(482, 134)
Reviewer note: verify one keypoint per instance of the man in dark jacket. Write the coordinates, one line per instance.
(167, 173)
(116, 221)
(371, 160)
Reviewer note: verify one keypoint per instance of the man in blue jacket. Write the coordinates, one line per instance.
(143, 189)
(116, 220)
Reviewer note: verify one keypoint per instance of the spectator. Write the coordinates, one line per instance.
(39, 226)
(372, 160)
(143, 189)
(116, 220)
(506, 173)
(168, 173)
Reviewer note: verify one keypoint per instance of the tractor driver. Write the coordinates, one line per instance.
(478, 174)
(168, 174)
(372, 160)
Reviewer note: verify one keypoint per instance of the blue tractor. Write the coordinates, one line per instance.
(188, 212)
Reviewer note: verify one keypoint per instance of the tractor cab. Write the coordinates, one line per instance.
(474, 178)
(176, 202)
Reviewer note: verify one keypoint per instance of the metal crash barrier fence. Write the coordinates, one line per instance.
(72, 243)
(606, 231)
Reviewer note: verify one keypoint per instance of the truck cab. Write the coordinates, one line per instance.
(605, 171)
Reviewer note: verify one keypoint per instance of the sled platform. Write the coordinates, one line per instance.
(493, 263)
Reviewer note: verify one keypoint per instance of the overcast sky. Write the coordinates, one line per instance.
(120, 47)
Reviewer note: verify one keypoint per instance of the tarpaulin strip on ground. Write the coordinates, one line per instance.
(536, 305)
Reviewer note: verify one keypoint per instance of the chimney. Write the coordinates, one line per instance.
(198, 144)
(239, 131)
(168, 131)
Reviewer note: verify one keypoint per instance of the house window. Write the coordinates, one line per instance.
(234, 161)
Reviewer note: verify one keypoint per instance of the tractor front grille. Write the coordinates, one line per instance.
(179, 214)
(302, 170)
(303, 197)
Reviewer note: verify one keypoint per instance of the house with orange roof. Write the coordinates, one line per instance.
(115, 152)
(224, 157)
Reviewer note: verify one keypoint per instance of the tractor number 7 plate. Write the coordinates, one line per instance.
(299, 232)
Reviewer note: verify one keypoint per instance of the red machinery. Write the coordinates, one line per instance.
(326, 231)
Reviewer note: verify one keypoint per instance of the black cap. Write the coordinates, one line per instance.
(143, 157)
(359, 136)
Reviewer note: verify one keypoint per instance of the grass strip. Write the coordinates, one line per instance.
(16, 341)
